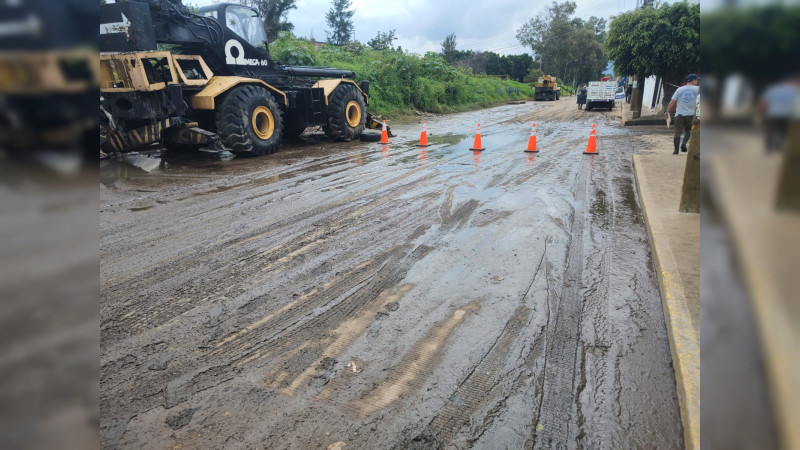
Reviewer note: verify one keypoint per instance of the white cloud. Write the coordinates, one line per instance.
(422, 25)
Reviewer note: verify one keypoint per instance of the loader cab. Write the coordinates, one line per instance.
(245, 51)
(240, 19)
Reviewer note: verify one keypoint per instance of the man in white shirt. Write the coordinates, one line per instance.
(778, 104)
(683, 103)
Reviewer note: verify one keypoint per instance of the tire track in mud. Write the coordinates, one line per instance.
(220, 244)
(598, 353)
(154, 388)
(414, 367)
(287, 330)
(553, 417)
(622, 323)
(298, 367)
(131, 316)
(476, 388)
(125, 246)
(214, 249)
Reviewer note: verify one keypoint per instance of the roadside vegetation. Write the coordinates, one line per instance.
(402, 82)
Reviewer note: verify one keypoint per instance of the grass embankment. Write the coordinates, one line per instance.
(402, 83)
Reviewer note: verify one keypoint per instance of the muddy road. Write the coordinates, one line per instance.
(377, 296)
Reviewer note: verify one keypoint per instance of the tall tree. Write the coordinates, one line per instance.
(449, 48)
(662, 41)
(274, 15)
(518, 66)
(383, 41)
(340, 19)
(565, 46)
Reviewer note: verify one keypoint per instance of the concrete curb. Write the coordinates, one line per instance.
(764, 242)
(651, 120)
(683, 341)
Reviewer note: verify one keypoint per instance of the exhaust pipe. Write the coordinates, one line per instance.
(320, 72)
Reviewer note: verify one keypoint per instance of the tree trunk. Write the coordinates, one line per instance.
(636, 97)
(788, 198)
(690, 193)
(670, 86)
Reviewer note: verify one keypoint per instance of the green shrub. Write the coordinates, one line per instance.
(401, 82)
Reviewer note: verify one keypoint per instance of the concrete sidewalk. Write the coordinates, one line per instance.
(674, 238)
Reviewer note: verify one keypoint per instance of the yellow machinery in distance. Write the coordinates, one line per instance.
(546, 88)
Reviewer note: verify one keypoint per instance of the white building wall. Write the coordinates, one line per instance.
(650, 88)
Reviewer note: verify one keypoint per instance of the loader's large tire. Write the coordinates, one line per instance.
(347, 113)
(249, 121)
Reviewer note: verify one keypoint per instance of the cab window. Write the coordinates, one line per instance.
(246, 23)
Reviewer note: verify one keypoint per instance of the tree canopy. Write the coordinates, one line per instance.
(449, 51)
(340, 19)
(759, 42)
(273, 14)
(383, 41)
(566, 46)
(490, 63)
(662, 41)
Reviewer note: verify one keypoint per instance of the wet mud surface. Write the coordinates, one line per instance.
(387, 296)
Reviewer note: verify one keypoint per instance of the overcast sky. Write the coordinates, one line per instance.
(422, 25)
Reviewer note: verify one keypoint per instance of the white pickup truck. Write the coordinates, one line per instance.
(600, 94)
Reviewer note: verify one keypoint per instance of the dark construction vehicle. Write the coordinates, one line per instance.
(217, 86)
(48, 78)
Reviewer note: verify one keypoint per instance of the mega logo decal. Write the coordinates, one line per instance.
(240, 60)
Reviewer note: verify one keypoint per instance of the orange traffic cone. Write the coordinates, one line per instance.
(423, 137)
(384, 134)
(532, 141)
(477, 145)
(591, 147)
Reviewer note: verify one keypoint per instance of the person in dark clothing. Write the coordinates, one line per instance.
(581, 97)
(628, 92)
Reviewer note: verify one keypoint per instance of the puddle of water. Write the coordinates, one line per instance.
(629, 199)
(446, 139)
(131, 166)
(599, 208)
(476, 158)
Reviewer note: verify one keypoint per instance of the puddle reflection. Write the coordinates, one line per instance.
(476, 157)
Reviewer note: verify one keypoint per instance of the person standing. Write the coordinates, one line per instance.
(777, 106)
(582, 97)
(628, 92)
(683, 104)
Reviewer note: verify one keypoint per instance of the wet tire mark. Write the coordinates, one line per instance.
(477, 387)
(133, 317)
(554, 416)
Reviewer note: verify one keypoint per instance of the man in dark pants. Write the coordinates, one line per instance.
(581, 97)
(683, 103)
(628, 92)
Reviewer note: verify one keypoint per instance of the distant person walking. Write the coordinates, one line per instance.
(628, 92)
(683, 104)
(582, 97)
